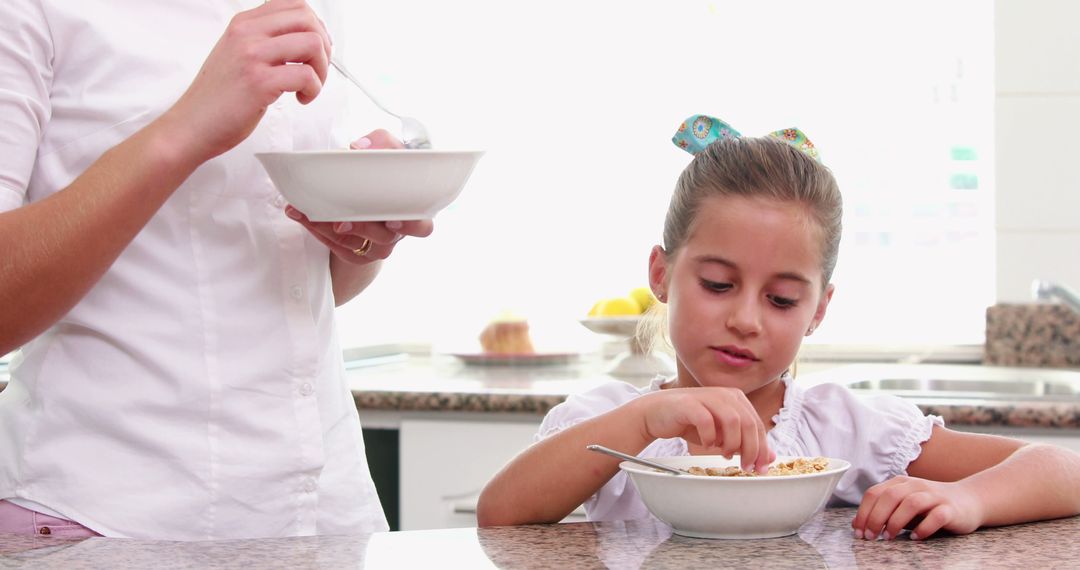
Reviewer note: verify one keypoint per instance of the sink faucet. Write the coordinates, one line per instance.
(1044, 290)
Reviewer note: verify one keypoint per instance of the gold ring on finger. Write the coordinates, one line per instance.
(364, 248)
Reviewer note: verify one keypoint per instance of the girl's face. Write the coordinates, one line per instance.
(742, 291)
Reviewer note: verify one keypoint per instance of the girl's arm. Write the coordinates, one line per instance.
(963, 481)
(553, 476)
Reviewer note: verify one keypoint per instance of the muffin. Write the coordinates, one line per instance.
(507, 337)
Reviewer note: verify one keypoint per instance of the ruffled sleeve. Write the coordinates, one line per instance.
(586, 405)
(880, 435)
(618, 499)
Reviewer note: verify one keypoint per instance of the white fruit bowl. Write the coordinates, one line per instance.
(637, 361)
(370, 185)
(624, 326)
(732, 507)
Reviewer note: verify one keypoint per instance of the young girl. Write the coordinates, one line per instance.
(750, 243)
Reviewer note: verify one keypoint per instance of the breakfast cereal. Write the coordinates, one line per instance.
(797, 466)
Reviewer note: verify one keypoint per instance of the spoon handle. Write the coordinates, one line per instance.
(631, 458)
(352, 79)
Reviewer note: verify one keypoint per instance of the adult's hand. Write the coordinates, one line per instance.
(281, 46)
(360, 243)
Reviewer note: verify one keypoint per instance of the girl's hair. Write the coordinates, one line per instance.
(751, 168)
(757, 168)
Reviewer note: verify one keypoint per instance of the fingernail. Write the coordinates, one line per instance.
(360, 144)
(292, 213)
(394, 225)
(869, 535)
(856, 533)
(344, 227)
(914, 536)
(886, 535)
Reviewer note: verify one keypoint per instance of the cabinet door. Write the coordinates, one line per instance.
(445, 464)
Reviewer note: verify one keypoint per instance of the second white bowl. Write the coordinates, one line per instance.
(370, 185)
(732, 507)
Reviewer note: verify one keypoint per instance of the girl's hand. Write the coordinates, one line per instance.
(349, 240)
(899, 502)
(712, 417)
(279, 47)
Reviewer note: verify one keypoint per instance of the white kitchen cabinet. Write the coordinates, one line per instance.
(446, 463)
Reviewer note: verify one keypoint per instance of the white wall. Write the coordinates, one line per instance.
(571, 195)
(1037, 145)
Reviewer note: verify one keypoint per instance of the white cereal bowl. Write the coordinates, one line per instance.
(370, 185)
(732, 507)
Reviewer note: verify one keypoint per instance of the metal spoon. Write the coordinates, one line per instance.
(414, 134)
(638, 460)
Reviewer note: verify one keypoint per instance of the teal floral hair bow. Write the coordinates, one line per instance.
(700, 131)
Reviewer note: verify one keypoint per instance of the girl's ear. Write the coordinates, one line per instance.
(658, 278)
(819, 313)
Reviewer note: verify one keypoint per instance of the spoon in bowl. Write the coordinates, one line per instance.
(414, 134)
(638, 460)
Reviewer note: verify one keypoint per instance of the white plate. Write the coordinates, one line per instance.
(524, 359)
(370, 185)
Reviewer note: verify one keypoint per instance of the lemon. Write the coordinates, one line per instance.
(595, 310)
(619, 306)
(644, 298)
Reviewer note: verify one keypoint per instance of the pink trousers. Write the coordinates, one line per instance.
(17, 520)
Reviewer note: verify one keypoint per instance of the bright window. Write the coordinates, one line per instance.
(576, 101)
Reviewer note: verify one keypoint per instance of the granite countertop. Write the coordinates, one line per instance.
(824, 542)
(441, 383)
(447, 385)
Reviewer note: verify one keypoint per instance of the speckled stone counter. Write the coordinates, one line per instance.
(446, 385)
(1032, 335)
(824, 542)
(420, 384)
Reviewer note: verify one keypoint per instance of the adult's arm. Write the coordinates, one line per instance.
(54, 250)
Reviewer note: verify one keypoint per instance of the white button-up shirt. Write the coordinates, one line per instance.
(197, 391)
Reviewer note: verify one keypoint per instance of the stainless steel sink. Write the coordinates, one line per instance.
(979, 389)
(969, 382)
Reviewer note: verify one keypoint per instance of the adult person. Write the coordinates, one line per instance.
(180, 375)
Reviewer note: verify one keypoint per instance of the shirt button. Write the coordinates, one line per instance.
(296, 292)
(306, 389)
(310, 486)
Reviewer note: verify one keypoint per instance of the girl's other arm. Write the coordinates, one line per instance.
(963, 481)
